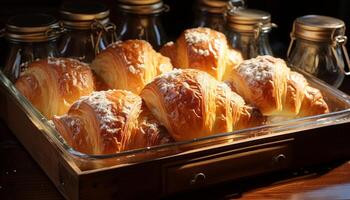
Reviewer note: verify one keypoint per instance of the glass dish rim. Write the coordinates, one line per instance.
(44, 125)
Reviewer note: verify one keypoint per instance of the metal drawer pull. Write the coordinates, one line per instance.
(199, 178)
(279, 158)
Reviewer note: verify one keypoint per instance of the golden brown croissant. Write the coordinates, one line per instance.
(267, 83)
(130, 65)
(204, 49)
(53, 84)
(109, 122)
(191, 103)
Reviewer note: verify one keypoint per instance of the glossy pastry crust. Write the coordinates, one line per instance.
(204, 49)
(267, 83)
(191, 104)
(53, 84)
(130, 65)
(109, 122)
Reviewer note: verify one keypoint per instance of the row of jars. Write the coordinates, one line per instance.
(84, 29)
(317, 42)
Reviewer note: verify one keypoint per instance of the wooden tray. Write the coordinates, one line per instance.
(170, 169)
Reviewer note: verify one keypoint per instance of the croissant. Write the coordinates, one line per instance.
(191, 103)
(130, 65)
(204, 49)
(53, 84)
(267, 83)
(109, 122)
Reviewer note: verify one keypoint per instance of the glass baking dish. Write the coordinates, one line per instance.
(338, 102)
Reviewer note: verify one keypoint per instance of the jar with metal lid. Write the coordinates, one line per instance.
(88, 30)
(249, 30)
(30, 37)
(140, 20)
(211, 13)
(318, 47)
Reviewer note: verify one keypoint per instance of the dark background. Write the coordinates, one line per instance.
(181, 15)
(27, 180)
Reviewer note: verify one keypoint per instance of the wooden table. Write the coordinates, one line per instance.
(333, 185)
(21, 178)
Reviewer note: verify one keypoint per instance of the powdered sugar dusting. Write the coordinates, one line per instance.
(63, 62)
(210, 42)
(74, 124)
(55, 61)
(194, 36)
(132, 69)
(152, 130)
(71, 73)
(171, 74)
(201, 52)
(104, 109)
(218, 47)
(165, 87)
(180, 92)
(163, 68)
(223, 86)
(146, 127)
(257, 70)
(167, 84)
(171, 43)
(230, 94)
(133, 56)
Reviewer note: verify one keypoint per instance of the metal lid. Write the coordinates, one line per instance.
(139, 2)
(318, 28)
(218, 6)
(247, 20)
(32, 28)
(80, 15)
(142, 6)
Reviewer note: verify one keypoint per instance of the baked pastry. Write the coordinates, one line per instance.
(267, 83)
(129, 65)
(204, 49)
(191, 103)
(53, 84)
(109, 122)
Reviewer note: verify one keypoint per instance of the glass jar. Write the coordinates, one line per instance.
(88, 30)
(249, 31)
(30, 37)
(140, 20)
(318, 47)
(211, 13)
